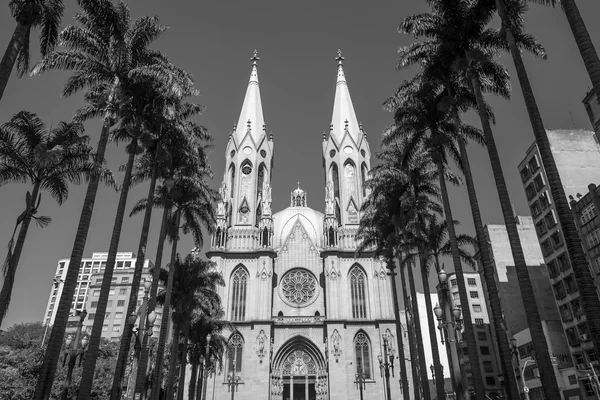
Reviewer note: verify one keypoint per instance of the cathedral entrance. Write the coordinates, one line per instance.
(299, 372)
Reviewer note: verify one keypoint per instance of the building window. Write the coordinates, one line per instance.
(538, 181)
(111, 292)
(489, 380)
(358, 292)
(453, 282)
(565, 313)
(107, 315)
(572, 380)
(471, 282)
(114, 280)
(119, 264)
(577, 310)
(122, 291)
(556, 240)
(474, 295)
(547, 248)
(116, 328)
(530, 372)
(544, 200)
(564, 262)
(109, 303)
(588, 387)
(127, 264)
(570, 284)
(596, 266)
(588, 213)
(235, 349)
(593, 238)
(239, 284)
(120, 303)
(525, 350)
(94, 304)
(104, 328)
(553, 269)
(559, 290)
(118, 315)
(525, 173)
(49, 314)
(550, 219)
(456, 296)
(572, 336)
(476, 307)
(125, 279)
(481, 336)
(478, 321)
(536, 209)
(362, 353)
(534, 165)
(91, 316)
(485, 351)
(540, 228)
(584, 332)
(99, 281)
(530, 191)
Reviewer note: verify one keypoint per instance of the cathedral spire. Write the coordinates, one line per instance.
(343, 118)
(251, 117)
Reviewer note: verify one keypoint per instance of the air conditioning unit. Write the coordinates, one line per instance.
(583, 337)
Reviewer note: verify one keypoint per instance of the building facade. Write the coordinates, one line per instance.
(577, 157)
(309, 314)
(486, 346)
(88, 291)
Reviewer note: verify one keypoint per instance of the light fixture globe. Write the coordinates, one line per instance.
(69, 340)
(151, 318)
(84, 342)
(456, 312)
(513, 343)
(147, 284)
(132, 318)
(442, 276)
(169, 183)
(380, 359)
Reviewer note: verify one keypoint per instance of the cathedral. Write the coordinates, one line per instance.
(310, 316)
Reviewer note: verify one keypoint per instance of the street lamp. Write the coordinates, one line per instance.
(74, 352)
(360, 378)
(205, 367)
(385, 364)
(142, 333)
(233, 380)
(450, 326)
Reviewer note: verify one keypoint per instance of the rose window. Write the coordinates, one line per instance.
(299, 286)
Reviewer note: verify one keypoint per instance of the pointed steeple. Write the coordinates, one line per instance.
(343, 118)
(251, 117)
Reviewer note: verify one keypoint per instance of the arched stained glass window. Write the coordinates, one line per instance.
(363, 175)
(363, 354)
(235, 348)
(358, 292)
(239, 285)
(231, 179)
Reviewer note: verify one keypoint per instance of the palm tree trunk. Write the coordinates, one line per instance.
(585, 282)
(462, 291)
(133, 295)
(175, 342)
(159, 255)
(439, 374)
(182, 365)
(53, 349)
(488, 276)
(14, 253)
(193, 381)
(417, 327)
(10, 55)
(411, 340)
(584, 43)
(91, 355)
(399, 333)
(164, 323)
(533, 316)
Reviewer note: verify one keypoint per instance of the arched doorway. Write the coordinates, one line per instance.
(299, 372)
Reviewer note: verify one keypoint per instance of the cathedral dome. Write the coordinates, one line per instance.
(285, 220)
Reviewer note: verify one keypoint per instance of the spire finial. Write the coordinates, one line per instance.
(339, 57)
(255, 58)
(298, 184)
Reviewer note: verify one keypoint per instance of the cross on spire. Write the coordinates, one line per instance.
(339, 57)
(255, 58)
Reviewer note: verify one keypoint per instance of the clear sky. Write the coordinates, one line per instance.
(297, 44)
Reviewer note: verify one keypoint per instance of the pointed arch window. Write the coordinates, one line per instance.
(239, 286)
(358, 292)
(335, 178)
(259, 191)
(232, 179)
(362, 353)
(350, 180)
(363, 176)
(235, 349)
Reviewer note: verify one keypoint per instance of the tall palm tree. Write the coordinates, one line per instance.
(106, 56)
(48, 159)
(173, 136)
(420, 118)
(193, 294)
(511, 15)
(212, 324)
(29, 14)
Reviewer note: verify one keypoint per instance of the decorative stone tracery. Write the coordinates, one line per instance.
(299, 287)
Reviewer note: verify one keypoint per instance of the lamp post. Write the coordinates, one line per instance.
(450, 326)
(141, 333)
(233, 380)
(360, 378)
(73, 353)
(385, 364)
(205, 367)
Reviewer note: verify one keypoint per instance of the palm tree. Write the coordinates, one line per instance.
(420, 118)
(174, 135)
(106, 55)
(49, 159)
(43, 14)
(510, 12)
(193, 293)
(203, 326)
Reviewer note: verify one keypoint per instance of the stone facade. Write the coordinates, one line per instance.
(309, 314)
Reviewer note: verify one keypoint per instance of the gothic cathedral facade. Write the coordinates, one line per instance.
(309, 314)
